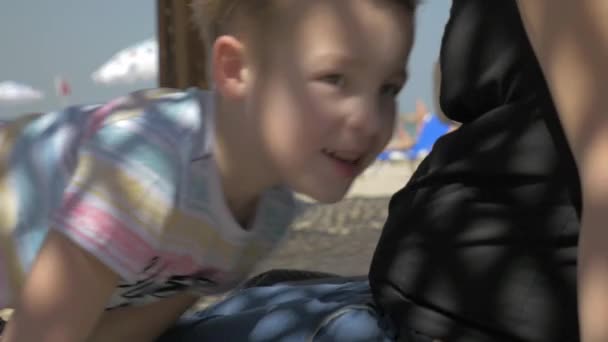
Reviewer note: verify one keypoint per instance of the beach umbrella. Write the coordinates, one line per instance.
(138, 62)
(15, 92)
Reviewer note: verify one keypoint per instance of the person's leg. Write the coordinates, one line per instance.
(341, 311)
(354, 323)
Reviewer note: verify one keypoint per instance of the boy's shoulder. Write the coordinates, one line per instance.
(187, 109)
(179, 113)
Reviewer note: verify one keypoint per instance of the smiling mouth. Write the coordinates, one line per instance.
(348, 158)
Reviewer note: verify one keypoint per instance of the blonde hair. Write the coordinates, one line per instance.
(214, 18)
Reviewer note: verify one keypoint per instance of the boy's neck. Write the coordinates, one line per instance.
(243, 171)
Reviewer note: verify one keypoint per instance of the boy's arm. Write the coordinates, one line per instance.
(570, 39)
(142, 323)
(63, 296)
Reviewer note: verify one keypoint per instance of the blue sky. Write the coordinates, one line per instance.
(40, 40)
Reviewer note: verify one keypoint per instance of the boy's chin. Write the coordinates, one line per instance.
(326, 196)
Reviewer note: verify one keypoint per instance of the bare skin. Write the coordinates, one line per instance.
(143, 323)
(570, 39)
(59, 275)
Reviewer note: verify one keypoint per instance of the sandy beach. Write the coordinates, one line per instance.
(340, 238)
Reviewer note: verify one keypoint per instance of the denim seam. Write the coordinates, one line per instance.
(337, 314)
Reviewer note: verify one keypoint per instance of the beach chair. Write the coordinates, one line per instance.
(431, 129)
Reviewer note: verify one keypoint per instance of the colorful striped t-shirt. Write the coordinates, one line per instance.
(134, 182)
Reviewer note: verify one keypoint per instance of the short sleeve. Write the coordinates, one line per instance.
(122, 190)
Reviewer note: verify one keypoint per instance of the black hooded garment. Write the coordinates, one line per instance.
(481, 243)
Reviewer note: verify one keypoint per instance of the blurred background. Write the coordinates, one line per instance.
(70, 51)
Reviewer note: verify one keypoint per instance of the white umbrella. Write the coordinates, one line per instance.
(15, 92)
(136, 63)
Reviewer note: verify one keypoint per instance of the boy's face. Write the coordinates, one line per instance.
(325, 103)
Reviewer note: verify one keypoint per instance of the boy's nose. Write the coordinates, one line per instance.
(365, 119)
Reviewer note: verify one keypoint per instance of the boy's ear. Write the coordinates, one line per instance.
(229, 67)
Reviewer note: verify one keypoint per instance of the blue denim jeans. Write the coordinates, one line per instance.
(319, 312)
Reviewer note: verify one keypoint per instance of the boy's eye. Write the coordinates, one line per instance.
(337, 80)
(391, 90)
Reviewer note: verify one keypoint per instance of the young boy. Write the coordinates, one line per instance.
(115, 217)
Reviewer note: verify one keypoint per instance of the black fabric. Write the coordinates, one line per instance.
(481, 243)
(278, 276)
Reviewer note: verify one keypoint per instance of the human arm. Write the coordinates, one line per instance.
(570, 39)
(403, 140)
(63, 296)
(77, 277)
(142, 323)
(118, 180)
